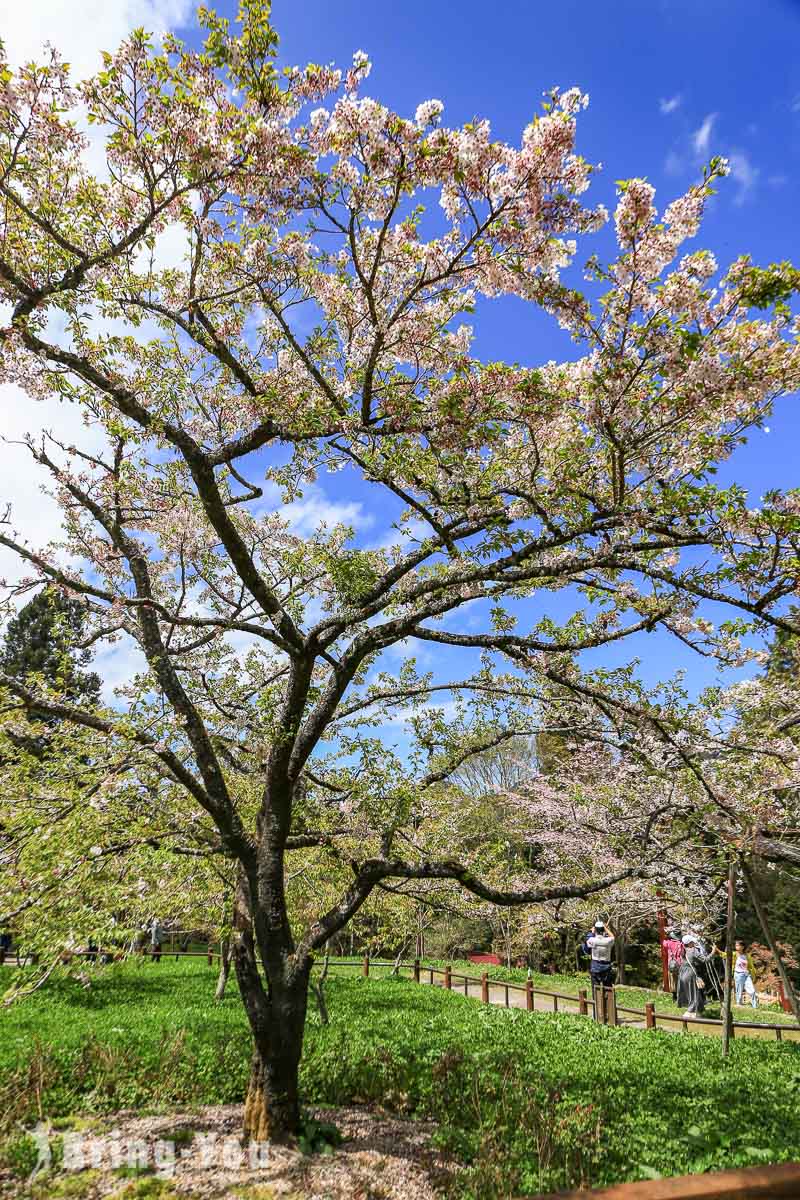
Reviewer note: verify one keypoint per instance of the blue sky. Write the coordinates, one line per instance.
(671, 83)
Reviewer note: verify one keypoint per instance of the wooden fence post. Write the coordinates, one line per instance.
(365, 967)
(611, 1011)
(529, 995)
(485, 987)
(416, 970)
(599, 1003)
(210, 955)
(650, 1015)
(583, 1007)
(448, 979)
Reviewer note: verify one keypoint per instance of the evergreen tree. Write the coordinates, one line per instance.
(42, 640)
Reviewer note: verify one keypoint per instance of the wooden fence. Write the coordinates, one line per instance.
(599, 1003)
(746, 1183)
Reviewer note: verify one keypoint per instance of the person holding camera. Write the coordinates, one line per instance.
(600, 944)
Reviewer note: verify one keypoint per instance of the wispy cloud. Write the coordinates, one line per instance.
(689, 152)
(701, 138)
(674, 164)
(307, 515)
(795, 104)
(743, 173)
(670, 105)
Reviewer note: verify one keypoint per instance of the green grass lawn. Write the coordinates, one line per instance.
(527, 1101)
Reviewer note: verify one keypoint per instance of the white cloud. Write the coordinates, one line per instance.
(305, 516)
(701, 138)
(116, 663)
(312, 510)
(80, 29)
(743, 173)
(35, 516)
(670, 105)
(170, 250)
(674, 164)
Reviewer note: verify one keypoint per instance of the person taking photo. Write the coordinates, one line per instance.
(600, 944)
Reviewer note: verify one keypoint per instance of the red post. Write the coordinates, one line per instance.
(529, 995)
(583, 1007)
(485, 987)
(365, 967)
(785, 1005)
(448, 979)
(666, 983)
(650, 1015)
(416, 970)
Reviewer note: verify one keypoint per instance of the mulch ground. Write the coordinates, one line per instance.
(200, 1154)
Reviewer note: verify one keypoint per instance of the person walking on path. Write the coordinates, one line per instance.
(691, 990)
(675, 953)
(744, 975)
(600, 944)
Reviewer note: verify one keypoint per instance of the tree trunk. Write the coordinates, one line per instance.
(272, 1106)
(727, 1028)
(761, 913)
(224, 968)
(622, 952)
(276, 1011)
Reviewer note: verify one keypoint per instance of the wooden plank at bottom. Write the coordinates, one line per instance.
(746, 1183)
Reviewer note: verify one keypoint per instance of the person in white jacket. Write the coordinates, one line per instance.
(600, 943)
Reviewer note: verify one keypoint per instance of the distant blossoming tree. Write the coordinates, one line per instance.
(314, 326)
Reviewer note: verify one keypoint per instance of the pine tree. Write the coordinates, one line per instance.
(42, 641)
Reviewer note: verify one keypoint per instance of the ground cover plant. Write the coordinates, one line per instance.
(525, 1101)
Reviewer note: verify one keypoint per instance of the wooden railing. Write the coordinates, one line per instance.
(746, 1183)
(601, 1004)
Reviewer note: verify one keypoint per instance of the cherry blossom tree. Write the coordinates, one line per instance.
(315, 325)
